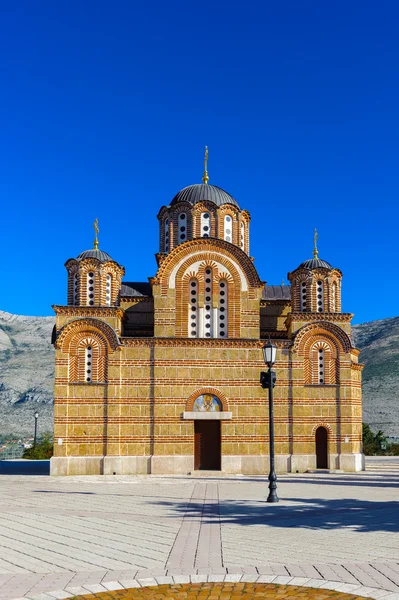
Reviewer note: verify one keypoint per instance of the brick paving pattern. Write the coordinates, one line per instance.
(222, 591)
(61, 537)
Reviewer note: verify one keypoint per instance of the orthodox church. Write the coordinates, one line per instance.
(162, 376)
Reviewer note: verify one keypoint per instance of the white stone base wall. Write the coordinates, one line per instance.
(184, 465)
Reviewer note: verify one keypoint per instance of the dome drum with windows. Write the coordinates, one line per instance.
(94, 278)
(203, 211)
(316, 285)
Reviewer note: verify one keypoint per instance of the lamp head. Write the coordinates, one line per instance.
(269, 353)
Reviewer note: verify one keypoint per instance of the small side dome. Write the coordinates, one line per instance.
(315, 263)
(98, 254)
(204, 191)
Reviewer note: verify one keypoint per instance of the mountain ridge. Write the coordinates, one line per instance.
(27, 373)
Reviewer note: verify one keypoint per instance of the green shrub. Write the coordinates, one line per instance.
(43, 449)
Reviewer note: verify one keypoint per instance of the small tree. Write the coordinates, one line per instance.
(43, 449)
(373, 444)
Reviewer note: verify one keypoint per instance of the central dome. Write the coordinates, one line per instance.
(201, 191)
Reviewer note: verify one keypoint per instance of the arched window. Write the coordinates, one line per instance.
(228, 228)
(108, 289)
(321, 373)
(321, 364)
(320, 296)
(207, 323)
(182, 224)
(223, 312)
(88, 360)
(303, 296)
(166, 235)
(242, 236)
(205, 224)
(75, 292)
(88, 364)
(193, 308)
(334, 297)
(90, 288)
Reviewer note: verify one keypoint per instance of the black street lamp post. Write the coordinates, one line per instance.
(268, 381)
(36, 415)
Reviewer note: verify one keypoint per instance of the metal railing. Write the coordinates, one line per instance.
(14, 452)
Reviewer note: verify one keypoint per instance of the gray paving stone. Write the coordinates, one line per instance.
(266, 578)
(233, 577)
(250, 577)
(112, 585)
(299, 581)
(148, 581)
(199, 578)
(181, 578)
(95, 588)
(60, 594)
(130, 583)
(216, 577)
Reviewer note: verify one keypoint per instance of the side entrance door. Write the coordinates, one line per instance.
(207, 447)
(321, 448)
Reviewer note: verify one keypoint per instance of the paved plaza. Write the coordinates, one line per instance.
(61, 537)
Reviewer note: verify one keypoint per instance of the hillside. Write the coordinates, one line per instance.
(27, 372)
(379, 342)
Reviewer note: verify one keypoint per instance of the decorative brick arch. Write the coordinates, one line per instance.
(222, 267)
(319, 331)
(325, 425)
(207, 390)
(87, 326)
(77, 357)
(224, 250)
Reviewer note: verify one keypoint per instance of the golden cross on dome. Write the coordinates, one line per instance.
(96, 229)
(315, 238)
(205, 177)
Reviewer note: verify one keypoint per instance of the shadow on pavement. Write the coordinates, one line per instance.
(351, 514)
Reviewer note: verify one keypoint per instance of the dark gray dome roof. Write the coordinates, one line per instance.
(98, 254)
(201, 191)
(315, 263)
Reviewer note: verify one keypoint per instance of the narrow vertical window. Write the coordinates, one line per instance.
(334, 297)
(228, 224)
(88, 364)
(242, 236)
(320, 303)
(90, 288)
(75, 290)
(166, 235)
(193, 309)
(205, 224)
(207, 314)
(108, 290)
(182, 227)
(320, 358)
(303, 296)
(223, 312)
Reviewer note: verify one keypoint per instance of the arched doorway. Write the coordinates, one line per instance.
(207, 442)
(321, 448)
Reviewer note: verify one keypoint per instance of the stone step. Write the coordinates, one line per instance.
(204, 473)
(324, 471)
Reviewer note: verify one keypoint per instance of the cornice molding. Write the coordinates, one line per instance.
(89, 311)
(201, 342)
(317, 316)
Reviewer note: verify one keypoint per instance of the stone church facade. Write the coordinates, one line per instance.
(162, 376)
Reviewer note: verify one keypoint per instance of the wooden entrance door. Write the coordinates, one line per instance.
(321, 448)
(207, 449)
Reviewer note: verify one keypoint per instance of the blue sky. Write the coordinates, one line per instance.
(105, 109)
